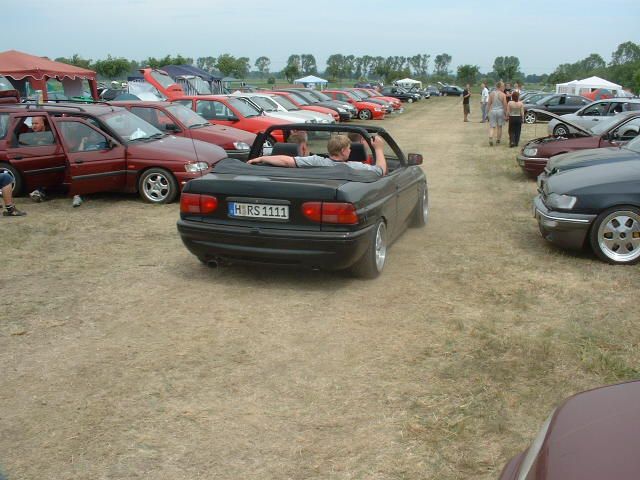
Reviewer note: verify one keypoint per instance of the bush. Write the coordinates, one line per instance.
(271, 80)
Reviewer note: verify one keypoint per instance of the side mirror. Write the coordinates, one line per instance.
(233, 118)
(171, 127)
(111, 144)
(414, 158)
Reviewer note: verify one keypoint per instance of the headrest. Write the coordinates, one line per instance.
(358, 153)
(289, 149)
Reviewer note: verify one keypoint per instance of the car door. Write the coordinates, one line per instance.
(96, 162)
(39, 157)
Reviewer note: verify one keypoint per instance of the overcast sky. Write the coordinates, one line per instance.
(542, 34)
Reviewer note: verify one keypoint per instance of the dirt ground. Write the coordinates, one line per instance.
(123, 357)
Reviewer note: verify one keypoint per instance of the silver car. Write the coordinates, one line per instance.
(591, 114)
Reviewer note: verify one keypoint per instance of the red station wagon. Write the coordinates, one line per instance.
(181, 121)
(98, 148)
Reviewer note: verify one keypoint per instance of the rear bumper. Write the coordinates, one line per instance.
(567, 230)
(532, 166)
(312, 249)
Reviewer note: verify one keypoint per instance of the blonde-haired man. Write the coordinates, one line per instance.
(339, 148)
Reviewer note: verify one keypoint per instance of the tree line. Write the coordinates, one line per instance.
(624, 67)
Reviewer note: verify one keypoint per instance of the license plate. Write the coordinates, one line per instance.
(258, 210)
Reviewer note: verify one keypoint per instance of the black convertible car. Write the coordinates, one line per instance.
(330, 218)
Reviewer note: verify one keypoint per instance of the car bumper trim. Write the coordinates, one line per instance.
(568, 230)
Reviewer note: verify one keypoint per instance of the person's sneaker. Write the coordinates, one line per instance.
(490, 143)
(37, 196)
(13, 212)
(77, 201)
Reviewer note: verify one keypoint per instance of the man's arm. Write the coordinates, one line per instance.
(275, 160)
(378, 146)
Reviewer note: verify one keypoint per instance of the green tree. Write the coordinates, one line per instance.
(290, 72)
(441, 63)
(75, 60)
(506, 68)
(468, 73)
(419, 64)
(262, 64)
(308, 64)
(167, 60)
(226, 64)
(112, 67)
(625, 53)
(335, 66)
(206, 63)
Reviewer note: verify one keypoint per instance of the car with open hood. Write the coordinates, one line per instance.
(596, 202)
(589, 115)
(612, 132)
(333, 217)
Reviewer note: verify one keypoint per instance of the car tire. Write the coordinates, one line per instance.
(561, 130)
(530, 118)
(365, 114)
(17, 184)
(158, 186)
(372, 262)
(615, 235)
(421, 212)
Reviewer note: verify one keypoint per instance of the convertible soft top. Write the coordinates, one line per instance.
(338, 172)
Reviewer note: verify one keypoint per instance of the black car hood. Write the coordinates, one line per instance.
(601, 175)
(592, 156)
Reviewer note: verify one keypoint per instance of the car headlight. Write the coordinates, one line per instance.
(377, 109)
(564, 202)
(241, 146)
(196, 167)
(342, 110)
(530, 152)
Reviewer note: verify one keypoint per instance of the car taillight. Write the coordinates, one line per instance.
(196, 203)
(330, 212)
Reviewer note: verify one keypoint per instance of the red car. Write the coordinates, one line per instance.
(370, 93)
(232, 111)
(98, 148)
(366, 110)
(296, 101)
(181, 121)
(217, 109)
(593, 435)
(610, 132)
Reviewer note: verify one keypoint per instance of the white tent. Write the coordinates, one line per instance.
(311, 81)
(588, 85)
(408, 82)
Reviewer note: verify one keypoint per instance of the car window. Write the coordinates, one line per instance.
(187, 116)
(79, 137)
(148, 114)
(33, 132)
(130, 127)
(574, 101)
(634, 145)
(628, 130)
(596, 110)
(212, 110)
(4, 125)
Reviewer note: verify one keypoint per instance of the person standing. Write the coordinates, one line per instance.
(515, 112)
(497, 107)
(466, 95)
(484, 100)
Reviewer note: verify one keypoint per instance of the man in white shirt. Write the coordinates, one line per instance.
(484, 100)
(338, 147)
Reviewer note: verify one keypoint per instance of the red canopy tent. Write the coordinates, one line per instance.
(37, 70)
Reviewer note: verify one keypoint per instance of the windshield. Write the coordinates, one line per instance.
(307, 96)
(187, 116)
(286, 103)
(130, 127)
(162, 78)
(321, 96)
(363, 94)
(299, 99)
(543, 100)
(634, 145)
(265, 103)
(355, 95)
(245, 109)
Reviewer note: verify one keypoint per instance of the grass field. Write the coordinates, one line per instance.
(123, 357)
